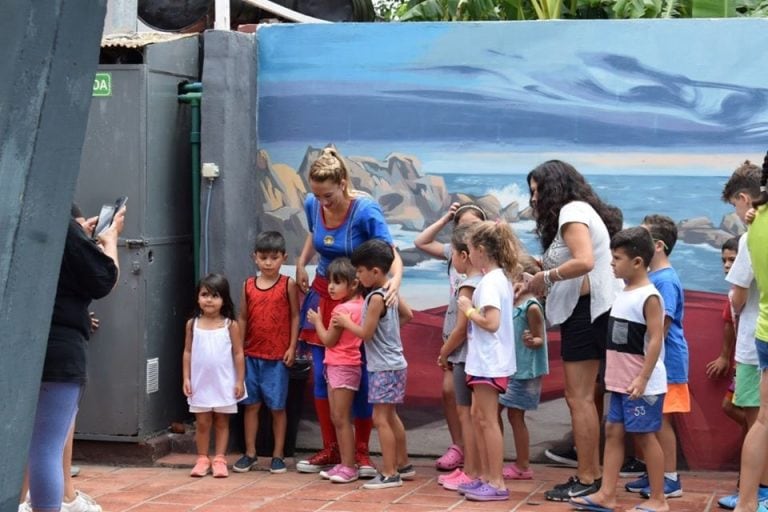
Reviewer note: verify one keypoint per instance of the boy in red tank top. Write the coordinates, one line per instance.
(269, 317)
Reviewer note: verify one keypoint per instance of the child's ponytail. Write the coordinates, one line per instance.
(763, 183)
(500, 243)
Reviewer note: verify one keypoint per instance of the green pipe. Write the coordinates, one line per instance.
(192, 87)
(192, 96)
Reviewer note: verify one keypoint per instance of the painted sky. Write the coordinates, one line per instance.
(660, 84)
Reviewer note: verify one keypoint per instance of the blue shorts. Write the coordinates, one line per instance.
(387, 387)
(266, 381)
(762, 353)
(642, 415)
(523, 394)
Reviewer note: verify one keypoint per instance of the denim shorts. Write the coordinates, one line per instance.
(642, 415)
(762, 353)
(387, 387)
(460, 388)
(266, 382)
(523, 394)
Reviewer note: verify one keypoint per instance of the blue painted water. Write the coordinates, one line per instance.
(682, 185)
(679, 197)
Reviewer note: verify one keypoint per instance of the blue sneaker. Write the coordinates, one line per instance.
(672, 489)
(638, 485)
(730, 502)
(763, 506)
(277, 465)
(245, 463)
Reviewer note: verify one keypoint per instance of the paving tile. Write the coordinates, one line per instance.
(441, 502)
(291, 505)
(408, 507)
(130, 489)
(350, 506)
(160, 507)
(324, 490)
(229, 504)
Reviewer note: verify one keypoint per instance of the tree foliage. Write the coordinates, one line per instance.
(485, 10)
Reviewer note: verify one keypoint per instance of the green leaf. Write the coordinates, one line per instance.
(428, 10)
(548, 9)
(714, 8)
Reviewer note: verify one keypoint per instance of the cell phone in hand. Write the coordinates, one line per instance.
(107, 215)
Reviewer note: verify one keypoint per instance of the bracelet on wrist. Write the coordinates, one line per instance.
(469, 312)
(559, 275)
(547, 279)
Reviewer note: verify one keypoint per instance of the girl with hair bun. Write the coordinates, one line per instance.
(339, 221)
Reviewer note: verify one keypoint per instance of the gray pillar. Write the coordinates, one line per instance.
(49, 50)
(121, 17)
(229, 140)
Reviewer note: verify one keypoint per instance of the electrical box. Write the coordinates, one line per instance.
(137, 145)
(210, 171)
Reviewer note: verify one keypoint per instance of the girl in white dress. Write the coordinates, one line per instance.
(214, 371)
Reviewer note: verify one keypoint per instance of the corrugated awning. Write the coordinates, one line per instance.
(140, 39)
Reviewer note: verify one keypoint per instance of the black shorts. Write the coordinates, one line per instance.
(581, 339)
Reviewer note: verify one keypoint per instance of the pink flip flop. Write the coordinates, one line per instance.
(451, 459)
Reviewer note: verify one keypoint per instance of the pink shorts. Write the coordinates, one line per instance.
(497, 383)
(343, 376)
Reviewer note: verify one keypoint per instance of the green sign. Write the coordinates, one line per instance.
(102, 84)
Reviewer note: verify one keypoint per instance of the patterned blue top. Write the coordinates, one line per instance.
(364, 221)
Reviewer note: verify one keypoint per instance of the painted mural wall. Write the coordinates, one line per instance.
(656, 114)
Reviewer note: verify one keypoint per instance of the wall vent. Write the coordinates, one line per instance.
(153, 375)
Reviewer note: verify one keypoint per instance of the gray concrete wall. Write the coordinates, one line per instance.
(229, 140)
(49, 50)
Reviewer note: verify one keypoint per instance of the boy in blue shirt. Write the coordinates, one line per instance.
(677, 400)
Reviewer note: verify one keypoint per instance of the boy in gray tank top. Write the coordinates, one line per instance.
(386, 363)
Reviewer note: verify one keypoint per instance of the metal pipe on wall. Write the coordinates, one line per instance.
(192, 94)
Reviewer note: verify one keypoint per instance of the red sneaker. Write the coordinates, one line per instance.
(326, 457)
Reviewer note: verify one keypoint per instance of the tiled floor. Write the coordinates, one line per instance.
(171, 489)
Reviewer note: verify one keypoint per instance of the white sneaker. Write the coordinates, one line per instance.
(81, 503)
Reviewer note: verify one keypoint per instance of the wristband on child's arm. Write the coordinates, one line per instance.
(469, 313)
